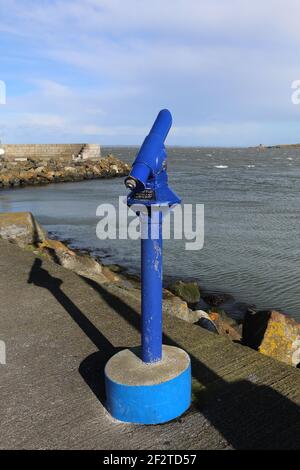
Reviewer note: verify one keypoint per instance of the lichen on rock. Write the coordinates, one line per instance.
(187, 291)
(274, 334)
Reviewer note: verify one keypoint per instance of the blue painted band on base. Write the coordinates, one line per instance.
(149, 404)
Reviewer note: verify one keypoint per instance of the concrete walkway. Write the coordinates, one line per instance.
(60, 330)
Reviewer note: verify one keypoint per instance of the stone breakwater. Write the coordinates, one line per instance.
(23, 152)
(270, 332)
(37, 172)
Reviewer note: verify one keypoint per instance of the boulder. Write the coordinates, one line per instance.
(254, 327)
(206, 322)
(187, 291)
(274, 334)
(177, 307)
(80, 263)
(226, 303)
(201, 305)
(70, 169)
(39, 169)
(54, 245)
(226, 318)
(224, 326)
(218, 323)
(237, 310)
(216, 299)
(21, 228)
(114, 168)
(109, 274)
(116, 268)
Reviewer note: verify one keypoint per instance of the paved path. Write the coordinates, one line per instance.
(61, 329)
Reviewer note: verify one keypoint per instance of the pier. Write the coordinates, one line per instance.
(60, 329)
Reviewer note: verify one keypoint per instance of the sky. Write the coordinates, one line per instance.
(100, 70)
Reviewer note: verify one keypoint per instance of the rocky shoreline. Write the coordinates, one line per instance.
(39, 172)
(270, 332)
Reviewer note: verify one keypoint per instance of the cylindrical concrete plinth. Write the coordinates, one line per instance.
(148, 393)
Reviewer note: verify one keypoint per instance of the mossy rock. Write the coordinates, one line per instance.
(187, 291)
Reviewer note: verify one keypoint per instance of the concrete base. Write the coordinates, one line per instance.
(148, 393)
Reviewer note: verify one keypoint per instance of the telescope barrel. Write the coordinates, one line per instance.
(162, 124)
(147, 160)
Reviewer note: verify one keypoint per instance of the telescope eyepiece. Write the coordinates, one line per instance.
(130, 183)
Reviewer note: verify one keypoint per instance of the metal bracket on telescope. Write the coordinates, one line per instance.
(152, 384)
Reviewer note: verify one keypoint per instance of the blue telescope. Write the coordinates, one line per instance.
(154, 385)
(148, 178)
(148, 181)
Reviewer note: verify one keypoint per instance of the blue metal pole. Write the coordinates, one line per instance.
(151, 269)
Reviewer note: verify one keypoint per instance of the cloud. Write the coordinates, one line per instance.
(107, 66)
(116, 131)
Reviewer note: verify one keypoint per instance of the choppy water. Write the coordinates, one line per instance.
(252, 220)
